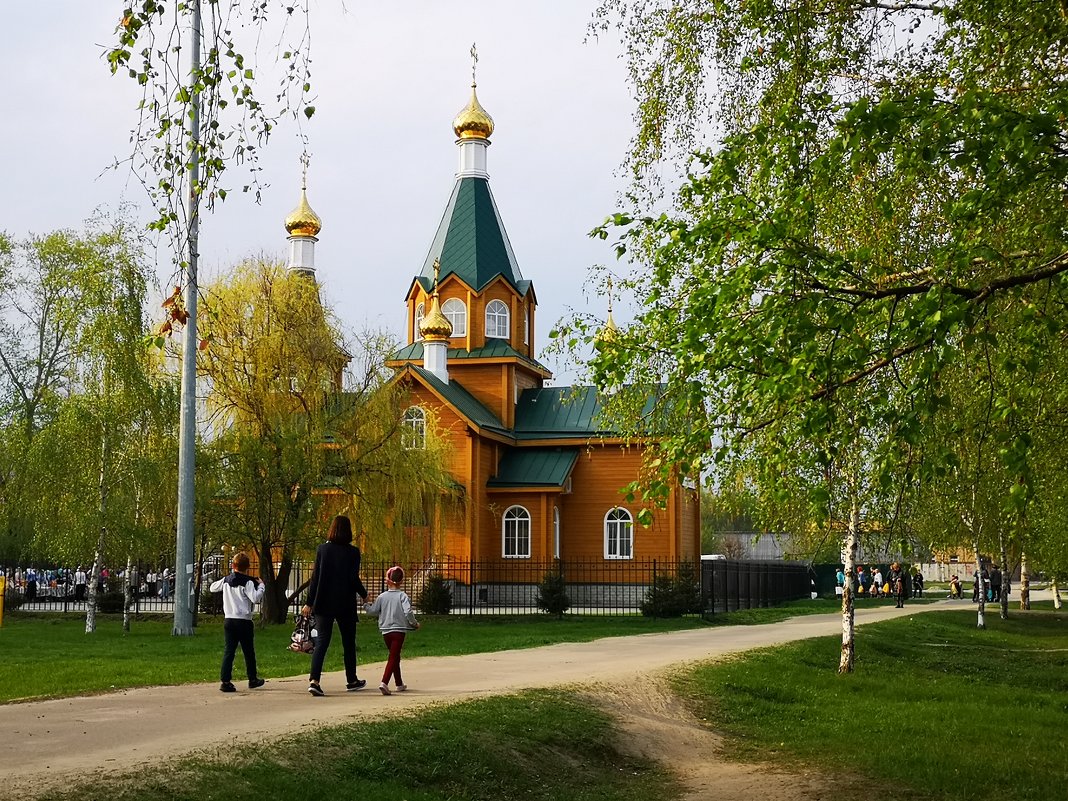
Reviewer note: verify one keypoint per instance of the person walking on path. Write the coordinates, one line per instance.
(335, 585)
(897, 584)
(240, 593)
(393, 608)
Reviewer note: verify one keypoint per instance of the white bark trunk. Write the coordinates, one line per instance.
(1003, 599)
(845, 663)
(1025, 582)
(127, 594)
(1056, 594)
(981, 619)
(98, 558)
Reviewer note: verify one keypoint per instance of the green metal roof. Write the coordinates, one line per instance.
(493, 349)
(563, 412)
(534, 467)
(471, 242)
(463, 401)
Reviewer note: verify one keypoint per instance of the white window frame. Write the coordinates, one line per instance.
(618, 533)
(420, 313)
(497, 320)
(455, 311)
(413, 433)
(514, 518)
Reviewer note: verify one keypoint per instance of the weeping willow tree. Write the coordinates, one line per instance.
(300, 429)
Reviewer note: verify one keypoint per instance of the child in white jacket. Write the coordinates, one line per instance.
(240, 594)
(393, 608)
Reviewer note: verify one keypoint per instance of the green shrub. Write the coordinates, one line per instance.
(674, 596)
(436, 597)
(13, 599)
(110, 603)
(552, 594)
(211, 603)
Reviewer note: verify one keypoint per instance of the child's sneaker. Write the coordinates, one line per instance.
(227, 687)
(359, 684)
(315, 689)
(254, 683)
(402, 687)
(382, 688)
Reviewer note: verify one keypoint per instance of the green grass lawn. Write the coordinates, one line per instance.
(935, 709)
(541, 746)
(46, 655)
(52, 656)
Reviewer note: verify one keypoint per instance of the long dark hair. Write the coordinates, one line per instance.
(340, 530)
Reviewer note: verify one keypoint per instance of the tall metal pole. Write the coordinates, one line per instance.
(183, 571)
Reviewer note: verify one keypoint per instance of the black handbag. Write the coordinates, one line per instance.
(302, 640)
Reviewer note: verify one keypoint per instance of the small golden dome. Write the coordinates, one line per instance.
(473, 122)
(302, 221)
(609, 333)
(435, 327)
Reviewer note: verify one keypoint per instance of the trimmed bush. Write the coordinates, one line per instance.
(211, 603)
(674, 596)
(436, 597)
(110, 603)
(552, 595)
(12, 599)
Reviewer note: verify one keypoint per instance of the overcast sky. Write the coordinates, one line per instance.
(388, 79)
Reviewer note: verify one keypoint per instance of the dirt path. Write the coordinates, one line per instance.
(46, 742)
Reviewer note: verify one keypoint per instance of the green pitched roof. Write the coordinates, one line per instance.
(493, 349)
(557, 411)
(534, 467)
(463, 401)
(471, 242)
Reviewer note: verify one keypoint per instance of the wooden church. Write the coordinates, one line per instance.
(540, 473)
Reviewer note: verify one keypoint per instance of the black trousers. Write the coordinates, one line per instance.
(346, 626)
(238, 632)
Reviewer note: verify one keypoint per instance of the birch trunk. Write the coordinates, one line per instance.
(98, 557)
(845, 663)
(127, 595)
(1025, 581)
(980, 622)
(1003, 599)
(1056, 594)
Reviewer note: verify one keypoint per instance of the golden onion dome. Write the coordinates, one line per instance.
(435, 327)
(473, 121)
(609, 333)
(302, 221)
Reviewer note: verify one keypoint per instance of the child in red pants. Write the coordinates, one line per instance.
(393, 608)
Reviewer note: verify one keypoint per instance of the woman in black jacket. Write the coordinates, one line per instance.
(335, 585)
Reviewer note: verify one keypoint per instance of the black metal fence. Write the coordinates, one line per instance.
(593, 587)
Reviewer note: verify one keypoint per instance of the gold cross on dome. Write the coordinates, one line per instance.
(474, 63)
(305, 160)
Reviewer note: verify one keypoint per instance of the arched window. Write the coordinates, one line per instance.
(413, 432)
(497, 320)
(456, 313)
(618, 534)
(516, 533)
(420, 313)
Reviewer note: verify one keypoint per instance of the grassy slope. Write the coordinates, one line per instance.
(935, 705)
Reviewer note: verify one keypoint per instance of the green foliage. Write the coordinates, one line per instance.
(674, 596)
(552, 594)
(152, 47)
(111, 603)
(436, 596)
(308, 426)
(863, 252)
(211, 603)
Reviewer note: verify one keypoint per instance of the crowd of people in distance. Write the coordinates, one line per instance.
(871, 583)
(35, 583)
